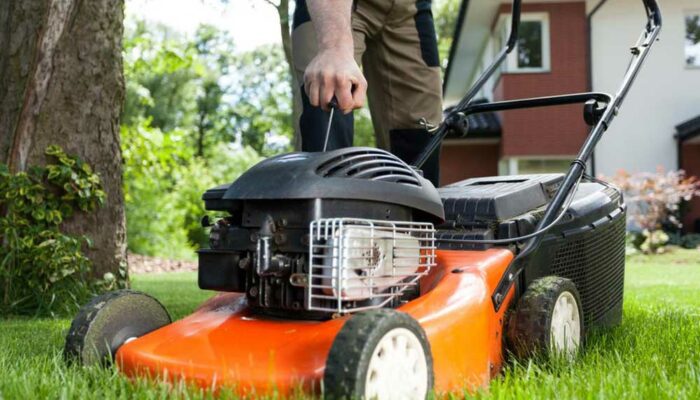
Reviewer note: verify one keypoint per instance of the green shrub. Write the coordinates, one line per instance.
(163, 185)
(653, 204)
(688, 241)
(42, 270)
(223, 166)
(153, 164)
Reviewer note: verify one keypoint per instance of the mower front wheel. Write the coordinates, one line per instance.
(110, 320)
(548, 320)
(380, 354)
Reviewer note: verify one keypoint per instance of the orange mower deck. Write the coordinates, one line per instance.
(225, 344)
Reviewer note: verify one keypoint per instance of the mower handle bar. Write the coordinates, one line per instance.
(512, 275)
(500, 57)
(462, 108)
(607, 105)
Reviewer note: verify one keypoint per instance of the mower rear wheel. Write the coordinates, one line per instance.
(547, 320)
(110, 320)
(380, 354)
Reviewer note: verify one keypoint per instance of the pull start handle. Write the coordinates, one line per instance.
(333, 105)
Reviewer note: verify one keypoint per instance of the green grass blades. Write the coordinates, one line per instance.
(654, 354)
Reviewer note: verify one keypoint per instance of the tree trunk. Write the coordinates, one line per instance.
(61, 82)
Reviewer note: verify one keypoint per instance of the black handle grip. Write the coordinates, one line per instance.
(653, 11)
(514, 25)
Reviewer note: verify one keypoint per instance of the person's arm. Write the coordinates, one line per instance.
(334, 72)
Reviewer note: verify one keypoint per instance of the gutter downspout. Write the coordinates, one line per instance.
(589, 25)
(679, 144)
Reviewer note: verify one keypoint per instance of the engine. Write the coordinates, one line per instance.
(311, 235)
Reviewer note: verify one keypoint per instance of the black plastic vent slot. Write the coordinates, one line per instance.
(595, 262)
(370, 165)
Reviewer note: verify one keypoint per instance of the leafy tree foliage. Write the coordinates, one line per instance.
(164, 182)
(693, 29)
(263, 105)
(207, 89)
(692, 35)
(160, 71)
(197, 115)
(446, 12)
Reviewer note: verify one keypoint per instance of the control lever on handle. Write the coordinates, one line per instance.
(333, 105)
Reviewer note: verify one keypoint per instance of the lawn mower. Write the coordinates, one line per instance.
(346, 273)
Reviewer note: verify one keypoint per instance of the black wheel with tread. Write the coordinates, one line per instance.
(108, 321)
(547, 320)
(379, 352)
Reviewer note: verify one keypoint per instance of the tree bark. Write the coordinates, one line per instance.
(61, 82)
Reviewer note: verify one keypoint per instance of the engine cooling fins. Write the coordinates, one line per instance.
(370, 164)
(368, 175)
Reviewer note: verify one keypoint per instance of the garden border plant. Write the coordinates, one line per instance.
(654, 202)
(43, 271)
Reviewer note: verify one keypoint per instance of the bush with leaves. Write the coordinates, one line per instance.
(224, 165)
(153, 164)
(163, 186)
(42, 270)
(654, 201)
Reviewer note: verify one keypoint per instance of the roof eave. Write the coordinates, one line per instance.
(688, 129)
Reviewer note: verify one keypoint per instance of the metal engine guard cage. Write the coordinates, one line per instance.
(360, 259)
(599, 112)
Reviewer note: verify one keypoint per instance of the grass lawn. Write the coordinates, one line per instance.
(655, 353)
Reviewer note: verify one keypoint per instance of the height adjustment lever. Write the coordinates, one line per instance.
(593, 110)
(458, 123)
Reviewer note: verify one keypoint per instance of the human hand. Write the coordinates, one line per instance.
(334, 73)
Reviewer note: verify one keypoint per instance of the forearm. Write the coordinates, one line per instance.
(333, 72)
(332, 24)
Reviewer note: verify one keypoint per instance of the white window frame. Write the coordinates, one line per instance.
(511, 64)
(686, 14)
(510, 165)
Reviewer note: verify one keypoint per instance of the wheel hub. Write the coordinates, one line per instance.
(566, 325)
(398, 368)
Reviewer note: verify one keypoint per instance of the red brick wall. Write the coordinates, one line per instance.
(460, 160)
(690, 154)
(549, 131)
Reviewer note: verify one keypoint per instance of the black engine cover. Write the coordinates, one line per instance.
(354, 173)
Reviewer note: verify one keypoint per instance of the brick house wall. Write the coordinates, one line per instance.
(549, 131)
(460, 160)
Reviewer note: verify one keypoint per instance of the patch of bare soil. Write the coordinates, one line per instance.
(139, 264)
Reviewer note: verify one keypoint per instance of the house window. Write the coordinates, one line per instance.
(533, 50)
(530, 45)
(534, 165)
(692, 39)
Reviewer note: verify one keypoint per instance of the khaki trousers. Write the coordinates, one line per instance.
(396, 45)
